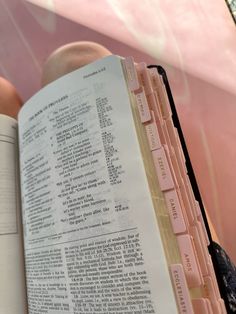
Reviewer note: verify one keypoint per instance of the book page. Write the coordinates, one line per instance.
(92, 244)
(12, 282)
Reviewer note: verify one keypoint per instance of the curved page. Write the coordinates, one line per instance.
(92, 243)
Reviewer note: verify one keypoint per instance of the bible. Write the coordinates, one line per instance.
(98, 208)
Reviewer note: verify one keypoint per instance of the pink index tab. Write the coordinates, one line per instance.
(159, 125)
(210, 310)
(222, 306)
(162, 169)
(182, 165)
(175, 211)
(144, 77)
(202, 236)
(155, 78)
(172, 132)
(132, 75)
(201, 249)
(152, 134)
(143, 108)
(213, 278)
(161, 94)
(156, 103)
(187, 203)
(181, 289)
(172, 170)
(190, 194)
(198, 210)
(212, 295)
(167, 137)
(152, 102)
(166, 109)
(180, 148)
(183, 208)
(190, 262)
(200, 306)
(200, 219)
(153, 105)
(175, 166)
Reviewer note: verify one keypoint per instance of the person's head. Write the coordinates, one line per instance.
(10, 102)
(71, 57)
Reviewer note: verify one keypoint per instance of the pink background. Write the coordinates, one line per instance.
(193, 39)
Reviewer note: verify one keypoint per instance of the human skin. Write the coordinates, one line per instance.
(10, 102)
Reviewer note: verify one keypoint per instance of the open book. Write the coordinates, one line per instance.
(110, 221)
